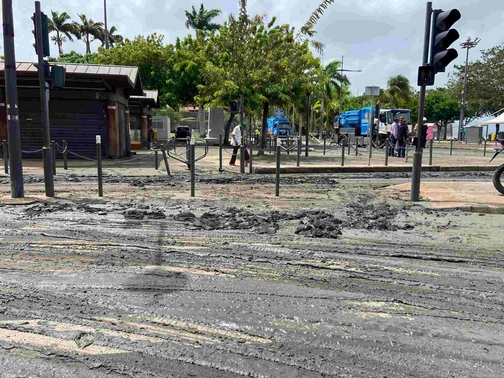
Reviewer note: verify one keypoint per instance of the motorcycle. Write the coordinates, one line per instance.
(497, 176)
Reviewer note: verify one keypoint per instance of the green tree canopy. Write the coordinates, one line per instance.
(441, 108)
(149, 54)
(74, 57)
(485, 84)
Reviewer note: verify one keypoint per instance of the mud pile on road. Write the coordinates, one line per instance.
(319, 224)
(232, 218)
(373, 217)
(146, 211)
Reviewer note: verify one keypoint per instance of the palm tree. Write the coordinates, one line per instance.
(64, 30)
(201, 20)
(336, 79)
(89, 29)
(398, 91)
(114, 38)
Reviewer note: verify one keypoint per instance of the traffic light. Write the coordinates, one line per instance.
(233, 107)
(443, 37)
(58, 74)
(45, 34)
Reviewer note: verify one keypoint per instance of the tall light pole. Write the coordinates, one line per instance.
(469, 44)
(341, 83)
(14, 129)
(105, 24)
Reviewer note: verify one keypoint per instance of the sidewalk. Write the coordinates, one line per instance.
(469, 196)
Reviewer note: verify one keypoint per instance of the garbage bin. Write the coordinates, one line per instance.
(492, 137)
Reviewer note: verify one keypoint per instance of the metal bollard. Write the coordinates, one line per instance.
(251, 147)
(188, 152)
(165, 158)
(53, 150)
(407, 151)
(484, 147)
(325, 141)
(370, 151)
(192, 149)
(356, 146)
(99, 159)
(270, 141)
(298, 157)
(349, 146)
(431, 147)
(277, 180)
(65, 155)
(220, 153)
(5, 151)
(387, 149)
(242, 159)
(451, 147)
(343, 144)
(156, 160)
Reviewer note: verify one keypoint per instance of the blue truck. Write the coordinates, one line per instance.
(279, 126)
(356, 122)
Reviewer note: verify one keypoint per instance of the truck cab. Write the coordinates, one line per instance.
(387, 117)
(280, 127)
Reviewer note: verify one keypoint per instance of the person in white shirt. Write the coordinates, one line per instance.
(236, 140)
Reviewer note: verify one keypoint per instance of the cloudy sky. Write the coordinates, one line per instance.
(380, 37)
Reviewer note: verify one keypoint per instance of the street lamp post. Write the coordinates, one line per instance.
(105, 24)
(341, 83)
(469, 44)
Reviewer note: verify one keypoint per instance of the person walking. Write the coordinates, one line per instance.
(236, 140)
(393, 136)
(402, 138)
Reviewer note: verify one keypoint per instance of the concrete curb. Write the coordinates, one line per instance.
(366, 169)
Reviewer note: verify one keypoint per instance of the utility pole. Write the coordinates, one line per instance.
(341, 83)
(105, 24)
(44, 106)
(469, 44)
(417, 156)
(436, 56)
(16, 163)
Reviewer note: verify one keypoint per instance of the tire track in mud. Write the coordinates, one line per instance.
(217, 304)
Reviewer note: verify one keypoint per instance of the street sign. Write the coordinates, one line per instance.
(426, 75)
(372, 91)
(279, 113)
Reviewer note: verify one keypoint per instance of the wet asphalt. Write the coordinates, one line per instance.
(367, 287)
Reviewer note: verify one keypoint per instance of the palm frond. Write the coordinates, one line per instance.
(307, 28)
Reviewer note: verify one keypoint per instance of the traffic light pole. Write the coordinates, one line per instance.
(417, 157)
(16, 163)
(44, 105)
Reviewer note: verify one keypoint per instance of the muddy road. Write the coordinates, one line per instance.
(336, 278)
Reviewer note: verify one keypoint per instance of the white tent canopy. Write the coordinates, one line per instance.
(497, 120)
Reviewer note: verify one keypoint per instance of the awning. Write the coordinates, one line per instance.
(495, 121)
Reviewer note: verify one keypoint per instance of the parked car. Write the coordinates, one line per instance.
(183, 132)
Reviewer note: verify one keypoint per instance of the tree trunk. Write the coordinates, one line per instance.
(228, 129)
(264, 127)
(88, 45)
(322, 116)
(445, 130)
(60, 43)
